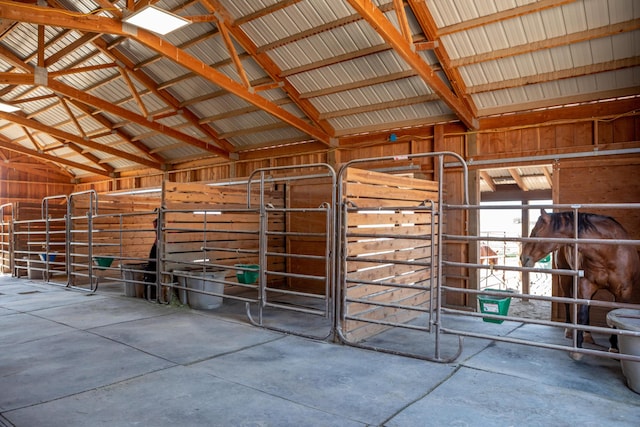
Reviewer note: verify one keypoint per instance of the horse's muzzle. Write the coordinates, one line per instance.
(526, 261)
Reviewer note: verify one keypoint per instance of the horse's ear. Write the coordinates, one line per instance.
(544, 215)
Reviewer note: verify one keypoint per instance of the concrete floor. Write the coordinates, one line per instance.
(69, 358)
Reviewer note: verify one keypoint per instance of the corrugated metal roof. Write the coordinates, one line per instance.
(317, 63)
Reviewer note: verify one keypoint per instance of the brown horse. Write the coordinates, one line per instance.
(488, 255)
(615, 268)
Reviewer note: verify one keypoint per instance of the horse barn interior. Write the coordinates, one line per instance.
(357, 173)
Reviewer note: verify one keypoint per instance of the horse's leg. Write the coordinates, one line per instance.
(585, 289)
(613, 340)
(567, 309)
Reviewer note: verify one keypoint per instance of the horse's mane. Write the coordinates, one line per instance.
(586, 221)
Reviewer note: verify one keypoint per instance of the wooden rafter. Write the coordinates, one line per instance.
(391, 35)
(33, 141)
(488, 180)
(65, 19)
(84, 39)
(503, 15)
(73, 117)
(65, 136)
(601, 67)
(50, 158)
(580, 36)
(398, 5)
(92, 158)
(273, 70)
(515, 174)
(93, 23)
(134, 91)
(234, 54)
(167, 97)
(113, 130)
(428, 25)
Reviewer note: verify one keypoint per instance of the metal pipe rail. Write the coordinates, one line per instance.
(300, 301)
(574, 272)
(434, 240)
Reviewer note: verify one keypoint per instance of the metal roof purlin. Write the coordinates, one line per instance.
(391, 35)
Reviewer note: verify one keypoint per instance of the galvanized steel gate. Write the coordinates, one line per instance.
(390, 251)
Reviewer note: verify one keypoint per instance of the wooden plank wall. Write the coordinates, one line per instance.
(601, 181)
(228, 228)
(302, 194)
(122, 229)
(378, 190)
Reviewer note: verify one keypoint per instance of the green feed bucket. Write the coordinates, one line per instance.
(102, 262)
(248, 276)
(494, 305)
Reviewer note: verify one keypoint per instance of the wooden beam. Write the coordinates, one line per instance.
(134, 91)
(502, 16)
(100, 24)
(580, 36)
(166, 96)
(390, 34)
(92, 158)
(430, 29)
(608, 109)
(130, 116)
(554, 112)
(488, 180)
(48, 157)
(398, 6)
(518, 179)
(585, 70)
(272, 69)
(234, 54)
(65, 136)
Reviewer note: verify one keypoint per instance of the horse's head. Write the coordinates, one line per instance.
(533, 252)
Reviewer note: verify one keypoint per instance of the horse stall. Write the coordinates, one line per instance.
(596, 242)
(261, 246)
(389, 270)
(39, 239)
(110, 236)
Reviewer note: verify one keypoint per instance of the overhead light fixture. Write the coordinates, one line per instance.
(8, 108)
(154, 19)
